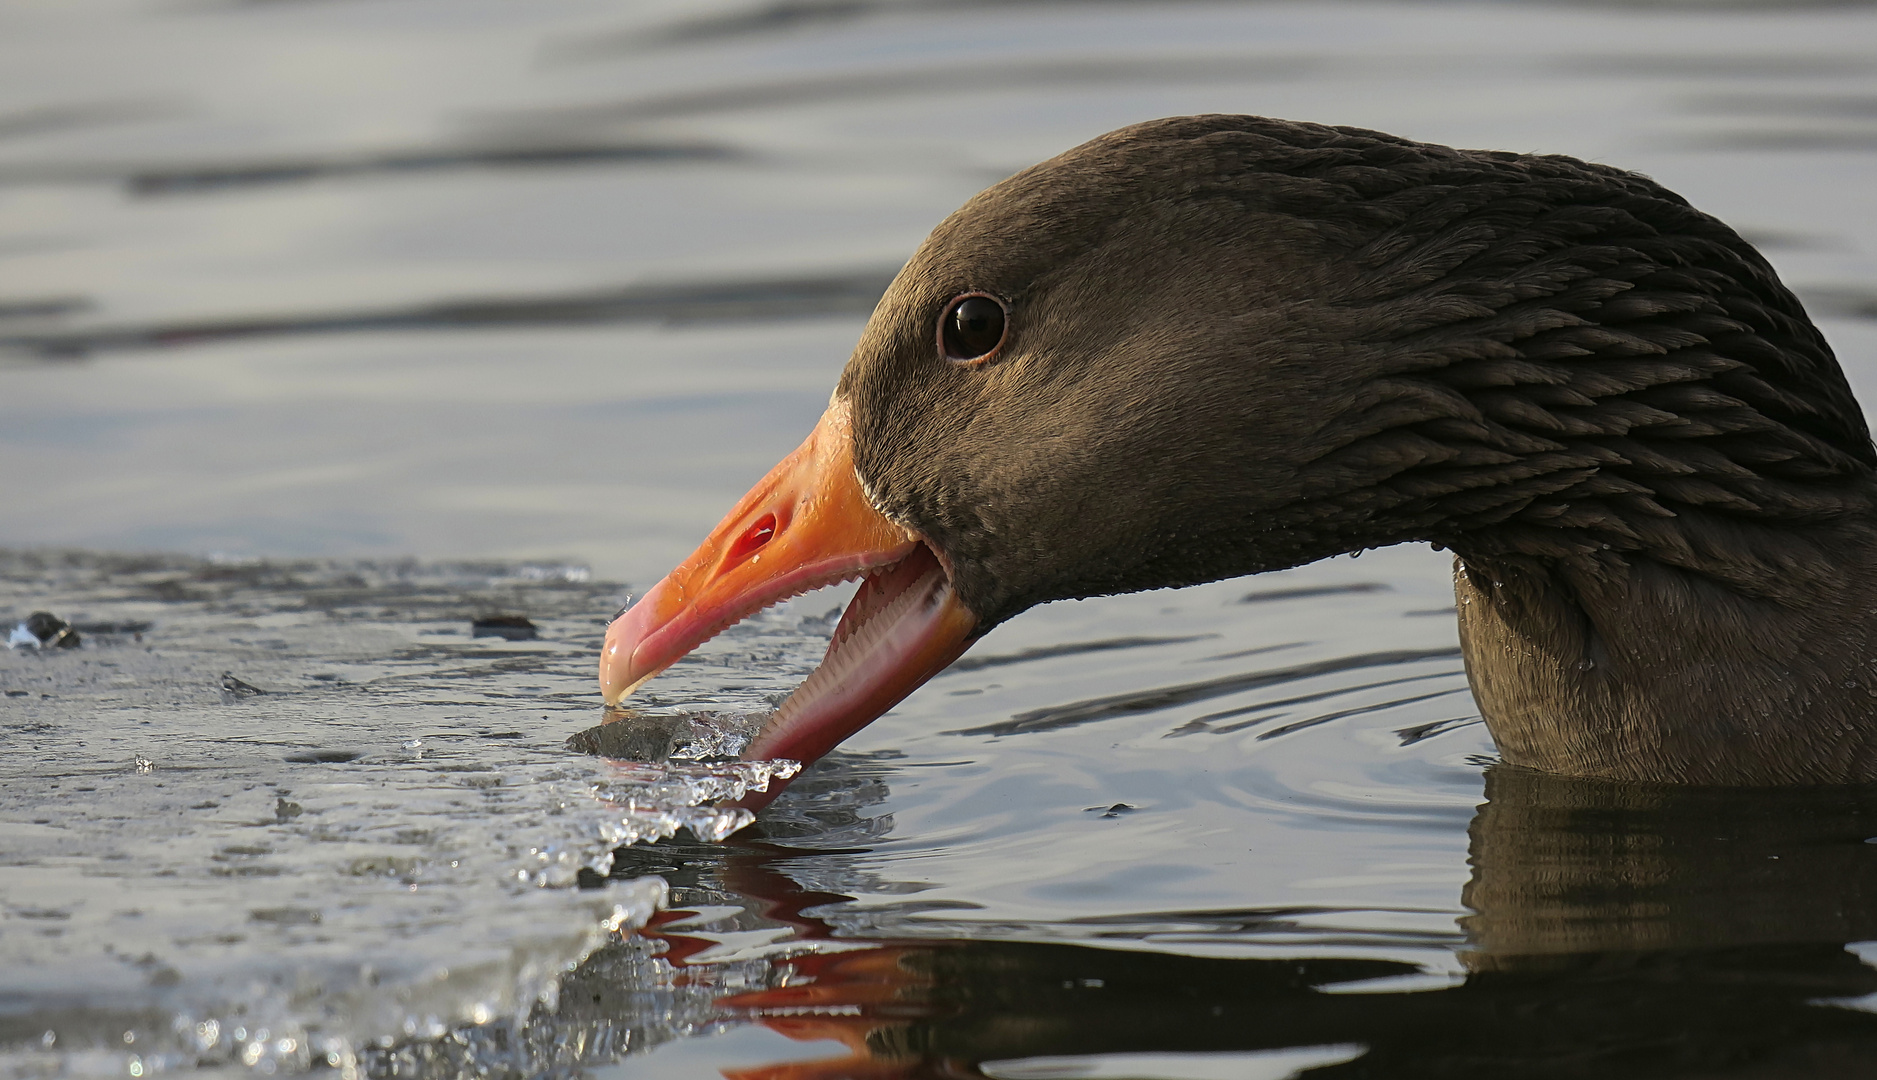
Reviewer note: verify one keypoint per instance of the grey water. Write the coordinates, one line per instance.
(330, 327)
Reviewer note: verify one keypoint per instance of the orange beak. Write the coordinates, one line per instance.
(806, 525)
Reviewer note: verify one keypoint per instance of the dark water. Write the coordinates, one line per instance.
(311, 290)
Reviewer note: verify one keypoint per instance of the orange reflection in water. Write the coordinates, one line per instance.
(866, 998)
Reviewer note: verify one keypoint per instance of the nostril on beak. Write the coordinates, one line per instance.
(752, 540)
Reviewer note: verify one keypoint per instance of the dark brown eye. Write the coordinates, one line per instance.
(973, 327)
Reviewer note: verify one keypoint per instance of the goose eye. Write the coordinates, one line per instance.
(973, 327)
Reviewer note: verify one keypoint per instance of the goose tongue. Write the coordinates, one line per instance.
(805, 525)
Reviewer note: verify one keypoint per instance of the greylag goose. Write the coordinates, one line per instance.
(1210, 346)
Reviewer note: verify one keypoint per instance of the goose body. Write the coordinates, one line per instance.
(1212, 346)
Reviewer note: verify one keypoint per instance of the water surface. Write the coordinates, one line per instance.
(390, 315)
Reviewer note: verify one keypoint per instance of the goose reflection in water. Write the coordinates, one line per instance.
(1616, 931)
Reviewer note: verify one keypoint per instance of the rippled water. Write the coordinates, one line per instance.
(315, 288)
